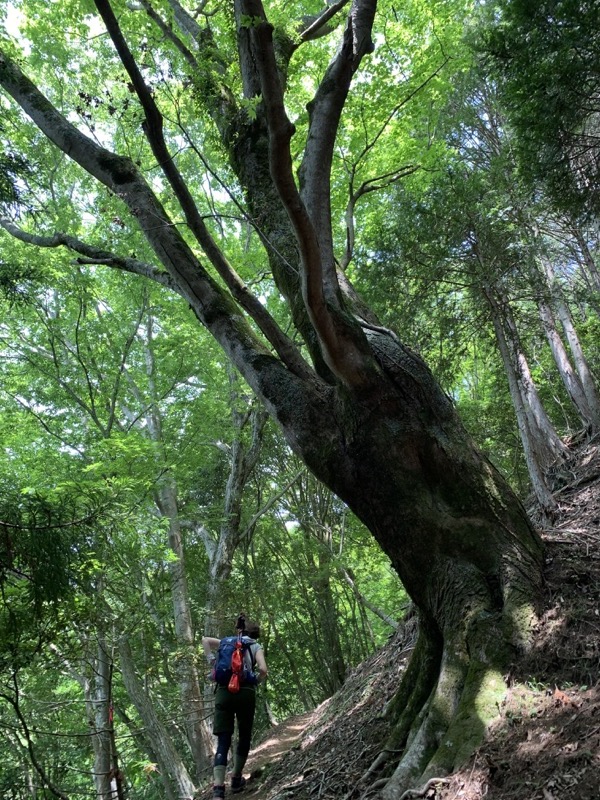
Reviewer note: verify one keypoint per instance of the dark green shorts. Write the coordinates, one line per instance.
(229, 707)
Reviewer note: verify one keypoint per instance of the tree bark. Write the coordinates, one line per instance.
(194, 708)
(333, 673)
(592, 274)
(568, 375)
(145, 746)
(243, 459)
(535, 448)
(550, 445)
(102, 723)
(581, 365)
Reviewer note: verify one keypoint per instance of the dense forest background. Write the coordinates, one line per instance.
(146, 495)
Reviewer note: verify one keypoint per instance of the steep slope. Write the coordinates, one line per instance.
(546, 743)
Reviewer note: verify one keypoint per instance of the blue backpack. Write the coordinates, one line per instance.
(228, 669)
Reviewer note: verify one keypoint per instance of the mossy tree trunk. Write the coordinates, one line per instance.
(460, 541)
(366, 414)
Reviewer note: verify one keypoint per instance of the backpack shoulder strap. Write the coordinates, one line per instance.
(251, 645)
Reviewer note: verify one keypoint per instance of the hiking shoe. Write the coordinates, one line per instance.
(238, 782)
(218, 792)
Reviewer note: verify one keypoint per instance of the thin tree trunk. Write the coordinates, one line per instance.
(21, 755)
(589, 265)
(194, 711)
(581, 365)
(11, 693)
(328, 627)
(97, 692)
(549, 445)
(541, 443)
(242, 461)
(365, 602)
(530, 441)
(568, 375)
(103, 764)
(279, 638)
(144, 744)
(170, 763)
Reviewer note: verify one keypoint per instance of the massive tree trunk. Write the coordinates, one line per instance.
(367, 417)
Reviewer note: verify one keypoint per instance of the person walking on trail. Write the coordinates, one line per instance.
(235, 697)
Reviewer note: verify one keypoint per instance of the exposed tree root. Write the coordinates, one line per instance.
(422, 791)
(449, 694)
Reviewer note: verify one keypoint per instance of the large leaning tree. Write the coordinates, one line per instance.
(362, 410)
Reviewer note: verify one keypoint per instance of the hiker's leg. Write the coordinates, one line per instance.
(245, 719)
(220, 763)
(223, 724)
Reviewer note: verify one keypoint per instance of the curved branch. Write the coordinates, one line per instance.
(281, 131)
(91, 255)
(344, 347)
(315, 27)
(169, 33)
(324, 117)
(350, 580)
(43, 775)
(370, 185)
(153, 128)
(185, 21)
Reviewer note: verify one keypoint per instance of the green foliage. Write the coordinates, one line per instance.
(40, 537)
(547, 61)
(12, 168)
(17, 281)
(472, 231)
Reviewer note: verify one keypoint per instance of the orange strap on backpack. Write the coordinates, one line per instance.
(236, 666)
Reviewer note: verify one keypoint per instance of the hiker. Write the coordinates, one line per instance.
(239, 705)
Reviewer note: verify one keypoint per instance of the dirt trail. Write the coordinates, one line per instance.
(280, 740)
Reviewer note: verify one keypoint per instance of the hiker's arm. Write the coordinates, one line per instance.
(209, 643)
(262, 665)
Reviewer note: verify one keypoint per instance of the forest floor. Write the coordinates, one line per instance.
(545, 744)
